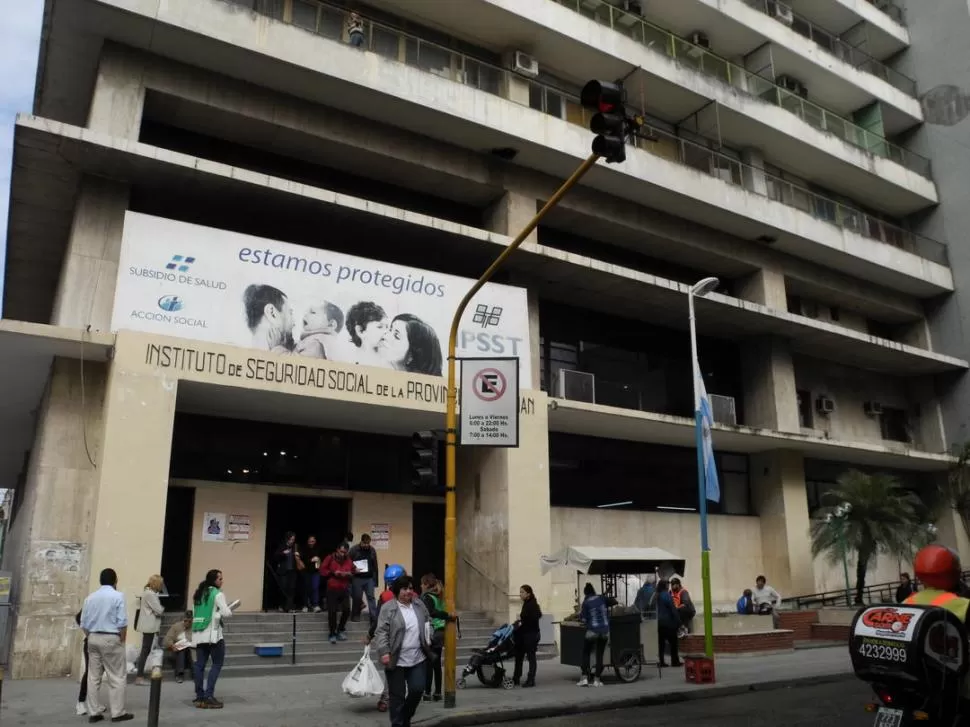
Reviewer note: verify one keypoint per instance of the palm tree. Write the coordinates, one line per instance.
(877, 516)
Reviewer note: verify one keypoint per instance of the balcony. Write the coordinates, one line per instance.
(833, 44)
(704, 61)
(396, 45)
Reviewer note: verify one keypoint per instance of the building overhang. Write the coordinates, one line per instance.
(27, 351)
(573, 417)
(47, 153)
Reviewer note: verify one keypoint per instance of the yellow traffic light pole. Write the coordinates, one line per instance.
(451, 433)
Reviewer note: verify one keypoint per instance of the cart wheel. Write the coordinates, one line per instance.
(490, 675)
(628, 667)
(507, 683)
(462, 683)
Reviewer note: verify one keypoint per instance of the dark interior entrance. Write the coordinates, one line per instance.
(428, 550)
(326, 518)
(177, 546)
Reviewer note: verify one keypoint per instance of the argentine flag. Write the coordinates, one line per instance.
(704, 420)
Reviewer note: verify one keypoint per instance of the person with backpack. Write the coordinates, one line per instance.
(209, 610)
(431, 595)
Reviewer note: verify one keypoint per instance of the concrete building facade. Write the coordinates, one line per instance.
(782, 153)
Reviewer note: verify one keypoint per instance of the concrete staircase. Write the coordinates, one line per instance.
(314, 653)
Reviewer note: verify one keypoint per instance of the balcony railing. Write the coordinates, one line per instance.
(834, 45)
(397, 45)
(706, 62)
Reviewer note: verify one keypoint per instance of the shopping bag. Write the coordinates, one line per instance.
(364, 680)
(156, 658)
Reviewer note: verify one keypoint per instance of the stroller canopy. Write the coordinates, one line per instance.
(594, 560)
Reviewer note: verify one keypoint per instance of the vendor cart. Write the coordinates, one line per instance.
(632, 634)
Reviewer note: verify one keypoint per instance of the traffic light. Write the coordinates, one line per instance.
(424, 470)
(610, 123)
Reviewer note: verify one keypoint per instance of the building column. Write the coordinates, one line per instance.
(510, 213)
(952, 534)
(928, 432)
(89, 272)
(48, 545)
(770, 398)
(503, 518)
(765, 286)
(753, 171)
(780, 500)
(118, 101)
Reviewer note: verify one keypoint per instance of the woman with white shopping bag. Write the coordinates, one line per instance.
(148, 620)
(404, 645)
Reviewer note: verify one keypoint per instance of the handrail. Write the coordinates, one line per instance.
(834, 45)
(557, 102)
(483, 574)
(843, 596)
(703, 60)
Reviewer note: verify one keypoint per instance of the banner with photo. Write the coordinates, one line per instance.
(185, 280)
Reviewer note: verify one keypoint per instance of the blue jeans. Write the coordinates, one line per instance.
(405, 685)
(312, 589)
(362, 588)
(203, 652)
(357, 40)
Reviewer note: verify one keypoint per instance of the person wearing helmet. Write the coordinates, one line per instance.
(391, 574)
(938, 569)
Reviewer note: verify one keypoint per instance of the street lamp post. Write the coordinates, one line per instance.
(701, 287)
(840, 514)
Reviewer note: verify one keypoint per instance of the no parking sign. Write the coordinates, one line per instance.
(489, 402)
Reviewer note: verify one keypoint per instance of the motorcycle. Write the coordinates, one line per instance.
(915, 658)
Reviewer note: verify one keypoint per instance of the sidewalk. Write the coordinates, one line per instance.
(298, 701)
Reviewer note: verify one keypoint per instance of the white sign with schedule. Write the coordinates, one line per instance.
(489, 402)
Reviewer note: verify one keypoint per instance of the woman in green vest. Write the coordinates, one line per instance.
(431, 595)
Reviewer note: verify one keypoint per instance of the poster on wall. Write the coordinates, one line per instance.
(213, 527)
(380, 536)
(185, 280)
(239, 527)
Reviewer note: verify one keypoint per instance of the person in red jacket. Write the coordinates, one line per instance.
(338, 569)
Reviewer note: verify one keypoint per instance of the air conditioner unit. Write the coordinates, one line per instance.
(723, 409)
(577, 386)
(525, 64)
(824, 405)
(793, 85)
(872, 408)
(784, 14)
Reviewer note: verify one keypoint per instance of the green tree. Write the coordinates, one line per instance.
(872, 515)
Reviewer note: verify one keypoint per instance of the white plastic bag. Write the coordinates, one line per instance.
(364, 680)
(156, 658)
(131, 656)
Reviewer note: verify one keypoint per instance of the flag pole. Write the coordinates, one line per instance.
(700, 288)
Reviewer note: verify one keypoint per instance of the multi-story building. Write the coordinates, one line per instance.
(208, 190)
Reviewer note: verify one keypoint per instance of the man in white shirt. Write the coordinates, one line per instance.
(765, 598)
(104, 621)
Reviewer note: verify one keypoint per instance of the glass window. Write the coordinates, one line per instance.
(305, 14)
(386, 42)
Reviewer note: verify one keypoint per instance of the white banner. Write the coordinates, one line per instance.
(185, 280)
(489, 415)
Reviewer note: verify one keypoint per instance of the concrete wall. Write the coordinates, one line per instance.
(937, 60)
(850, 388)
(736, 549)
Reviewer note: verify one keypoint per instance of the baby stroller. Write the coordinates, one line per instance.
(487, 664)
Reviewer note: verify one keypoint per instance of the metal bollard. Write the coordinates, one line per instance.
(155, 696)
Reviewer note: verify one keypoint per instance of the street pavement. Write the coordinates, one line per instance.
(308, 700)
(839, 704)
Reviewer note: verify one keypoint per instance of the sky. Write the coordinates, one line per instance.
(19, 42)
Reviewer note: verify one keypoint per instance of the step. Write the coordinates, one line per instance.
(306, 665)
(247, 630)
(326, 654)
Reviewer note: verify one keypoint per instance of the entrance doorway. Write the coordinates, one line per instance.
(177, 546)
(327, 518)
(428, 549)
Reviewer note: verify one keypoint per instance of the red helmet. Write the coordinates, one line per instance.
(937, 567)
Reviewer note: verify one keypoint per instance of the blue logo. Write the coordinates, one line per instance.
(170, 303)
(180, 263)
